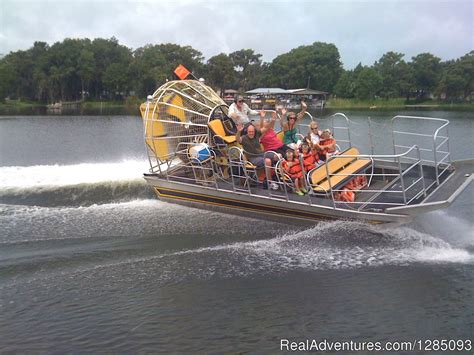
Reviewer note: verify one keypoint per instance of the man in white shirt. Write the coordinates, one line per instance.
(239, 111)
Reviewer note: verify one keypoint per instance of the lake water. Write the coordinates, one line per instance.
(91, 261)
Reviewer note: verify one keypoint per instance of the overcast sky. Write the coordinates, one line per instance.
(362, 30)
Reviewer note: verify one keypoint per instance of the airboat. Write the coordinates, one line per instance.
(196, 160)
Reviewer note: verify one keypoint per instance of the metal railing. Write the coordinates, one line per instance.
(434, 147)
(241, 176)
(432, 143)
(400, 176)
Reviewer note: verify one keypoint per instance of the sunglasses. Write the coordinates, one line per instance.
(292, 118)
(314, 128)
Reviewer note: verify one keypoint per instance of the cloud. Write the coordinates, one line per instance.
(362, 30)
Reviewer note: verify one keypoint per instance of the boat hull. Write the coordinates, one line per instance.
(264, 207)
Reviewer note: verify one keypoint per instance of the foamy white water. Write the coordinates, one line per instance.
(18, 177)
(455, 230)
(326, 246)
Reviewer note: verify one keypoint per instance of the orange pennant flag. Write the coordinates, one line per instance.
(181, 72)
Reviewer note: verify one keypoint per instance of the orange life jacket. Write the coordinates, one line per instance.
(357, 183)
(352, 185)
(294, 170)
(309, 161)
(362, 181)
(347, 195)
(327, 142)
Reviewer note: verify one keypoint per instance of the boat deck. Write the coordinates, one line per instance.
(382, 193)
(463, 174)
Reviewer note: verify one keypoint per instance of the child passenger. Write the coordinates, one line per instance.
(292, 167)
(327, 145)
(310, 157)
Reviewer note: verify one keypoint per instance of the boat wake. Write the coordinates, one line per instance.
(337, 245)
(50, 215)
(73, 185)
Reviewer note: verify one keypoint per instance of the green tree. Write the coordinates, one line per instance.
(146, 69)
(154, 64)
(220, 70)
(367, 84)
(106, 52)
(68, 69)
(426, 70)
(86, 69)
(175, 55)
(397, 76)
(466, 64)
(453, 81)
(317, 65)
(345, 86)
(40, 55)
(22, 65)
(116, 79)
(7, 79)
(247, 66)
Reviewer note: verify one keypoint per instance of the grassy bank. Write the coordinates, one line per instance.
(102, 104)
(397, 103)
(130, 101)
(20, 104)
(126, 107)
(365, 104)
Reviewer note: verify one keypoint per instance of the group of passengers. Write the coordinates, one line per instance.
(313, 149)
(264, 135)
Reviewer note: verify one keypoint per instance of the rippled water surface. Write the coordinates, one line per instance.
(90, 261)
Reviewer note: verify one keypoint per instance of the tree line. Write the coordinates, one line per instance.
(99, 69)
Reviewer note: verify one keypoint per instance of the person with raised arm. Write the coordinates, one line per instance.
(250, 142)
(290, 126)
(269, 139)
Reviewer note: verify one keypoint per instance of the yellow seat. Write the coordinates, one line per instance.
(320, 174)
(218, 129)
(339, 169)
(343, 175)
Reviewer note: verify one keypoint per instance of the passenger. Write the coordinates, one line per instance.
(250, 142)
(290, 126)
(269, 139)
(272, 145)
(239, 111)
(327, 145)
(314, 134)
(292, 166)
(310, 157)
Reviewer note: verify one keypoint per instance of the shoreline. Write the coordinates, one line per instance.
(333, 104)
(396, 104)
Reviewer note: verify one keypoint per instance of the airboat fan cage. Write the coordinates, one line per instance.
(175, 117)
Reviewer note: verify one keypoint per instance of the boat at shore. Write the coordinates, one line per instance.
(195, 160)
